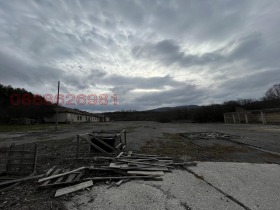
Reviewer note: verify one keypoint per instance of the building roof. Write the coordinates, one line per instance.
(62, 109)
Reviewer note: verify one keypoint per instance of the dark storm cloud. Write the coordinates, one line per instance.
(251, 48)
(168, 52)
(150, 53)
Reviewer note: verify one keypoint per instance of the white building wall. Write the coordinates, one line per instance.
(70, 117)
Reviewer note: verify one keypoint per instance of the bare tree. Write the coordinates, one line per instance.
(273, 93)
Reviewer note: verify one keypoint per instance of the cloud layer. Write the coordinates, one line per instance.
(149, 53)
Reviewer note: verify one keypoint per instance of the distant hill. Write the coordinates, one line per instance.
(164, 109)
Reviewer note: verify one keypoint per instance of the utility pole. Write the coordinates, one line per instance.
(56, 122)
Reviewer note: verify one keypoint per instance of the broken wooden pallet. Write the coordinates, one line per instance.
(57, 177)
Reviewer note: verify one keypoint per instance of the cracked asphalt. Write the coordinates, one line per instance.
(209, 185)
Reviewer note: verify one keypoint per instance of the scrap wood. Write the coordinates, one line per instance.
(54, 173)
(122, 181)
(136, 167)
(50, 171)
(137, 154)
(148, 168)
(59, 184)
(118, 183)
(62, 177)
(72, 178)
(119, 177)
(114, 165)
(59, 175)
(143, 163)
(151, 157)
(119, 155)
(138, 159)
(147, 173)
(73, 188)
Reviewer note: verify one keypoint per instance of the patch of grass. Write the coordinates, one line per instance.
(131, 129)
(176, 146)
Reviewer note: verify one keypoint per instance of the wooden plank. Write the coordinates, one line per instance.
(114, 165)
(120, 177)
(137, 159)
(21, 179)
(149, 164)
(79, 175)
(145, 168)
(146, 155)
(73, 188)
(59, 175)
(95, 146)
(71, 177)
(50, 171)
(120, 144)
(61, 178)
(121, 182)
(147, 173)
(54, 173)
(119, 155)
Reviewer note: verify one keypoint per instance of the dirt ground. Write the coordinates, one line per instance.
(260, 144)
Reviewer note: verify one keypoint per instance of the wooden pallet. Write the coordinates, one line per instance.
(21, 162)
(107, 143)
(63, 180)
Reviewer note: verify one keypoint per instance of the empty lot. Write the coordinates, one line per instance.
(229, 175)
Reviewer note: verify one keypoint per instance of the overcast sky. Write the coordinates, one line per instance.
(150, 53)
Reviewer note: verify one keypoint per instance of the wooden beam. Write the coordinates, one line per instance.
(54, 173)
(50, 171)
(147, 173)
(119, 155)
(119, 177)
(73, 188)
(59, 175)
(142, 163)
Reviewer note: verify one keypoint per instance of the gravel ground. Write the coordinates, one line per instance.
(228, 176)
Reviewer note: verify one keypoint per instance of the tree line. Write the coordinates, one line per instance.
(14, 105)
(202, 114)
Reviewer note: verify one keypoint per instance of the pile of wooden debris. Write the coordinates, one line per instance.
(123, 168)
